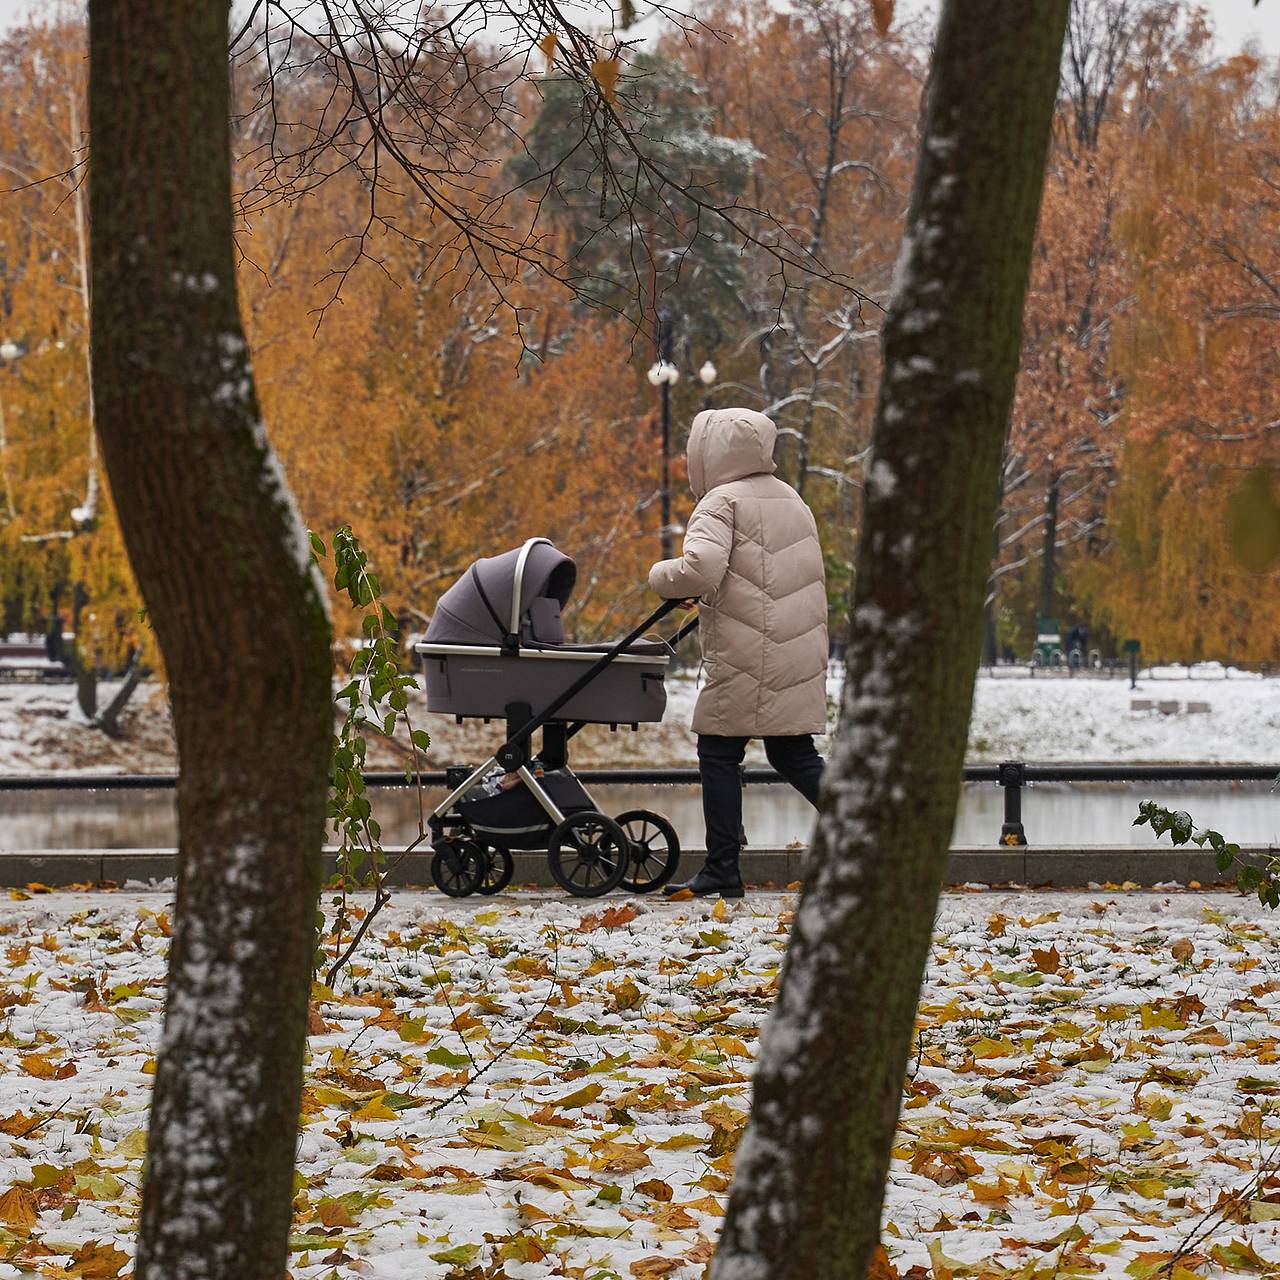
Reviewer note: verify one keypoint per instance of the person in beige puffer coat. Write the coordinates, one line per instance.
(752, 556)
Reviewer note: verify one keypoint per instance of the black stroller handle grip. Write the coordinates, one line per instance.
(526, 731)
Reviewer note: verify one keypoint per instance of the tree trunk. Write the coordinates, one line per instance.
(809, 1185)
(109, 720)
(221, 558)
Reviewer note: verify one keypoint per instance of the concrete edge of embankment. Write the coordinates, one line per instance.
(1059, 867)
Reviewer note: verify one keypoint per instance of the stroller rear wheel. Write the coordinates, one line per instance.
(655, 850)
(499, 868)
(458, 867)
(588, 854)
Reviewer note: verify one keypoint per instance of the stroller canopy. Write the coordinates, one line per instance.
(495, 601)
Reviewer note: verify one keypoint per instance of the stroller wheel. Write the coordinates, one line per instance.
(588, 854)
(458, 867)
(655, 850)
(499, 868)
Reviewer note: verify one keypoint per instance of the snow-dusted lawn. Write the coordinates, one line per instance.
(1055, 718)
(1095, 1072)
(1048, 718)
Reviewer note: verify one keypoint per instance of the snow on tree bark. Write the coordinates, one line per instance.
(809, 1183)
(221, 558)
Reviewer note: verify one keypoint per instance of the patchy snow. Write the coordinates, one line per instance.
(1096, 1073)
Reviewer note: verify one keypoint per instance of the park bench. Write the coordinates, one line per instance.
(28, 659)
(1169, 708)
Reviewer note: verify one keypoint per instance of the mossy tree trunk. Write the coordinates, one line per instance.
(221, 558)
(809, 1184)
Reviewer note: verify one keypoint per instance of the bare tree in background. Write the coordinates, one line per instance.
(809, 1183)
(423, 107)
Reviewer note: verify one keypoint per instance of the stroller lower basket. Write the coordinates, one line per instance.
(514, 819)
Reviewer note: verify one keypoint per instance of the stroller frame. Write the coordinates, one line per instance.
(515, 754)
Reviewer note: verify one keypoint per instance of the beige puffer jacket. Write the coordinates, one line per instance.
(751, 552)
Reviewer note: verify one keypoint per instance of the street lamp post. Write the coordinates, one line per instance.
(9, 353)
(665, 375)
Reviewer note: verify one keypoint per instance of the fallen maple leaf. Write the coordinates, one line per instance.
(35, 1064)
(18, 1208)
(97, 1261)
(610, 918)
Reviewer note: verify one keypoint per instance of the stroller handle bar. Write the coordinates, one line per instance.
(516, 744)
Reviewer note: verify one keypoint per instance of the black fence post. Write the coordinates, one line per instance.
(1012, 776)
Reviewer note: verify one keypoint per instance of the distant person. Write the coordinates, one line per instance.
(752, 555)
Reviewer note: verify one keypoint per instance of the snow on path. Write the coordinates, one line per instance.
(1095, 1072)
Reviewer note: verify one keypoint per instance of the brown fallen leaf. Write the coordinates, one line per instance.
(655, 1189)
(655, 1268)
(610, 918)
(880, 1268)
(333, 1213)
(1183, 949)
(18, 1208)
(94, 1260)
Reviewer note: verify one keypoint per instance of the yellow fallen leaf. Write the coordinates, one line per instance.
(1161, 1016)
(988, 1048)
(375, 1109)
(38, 1065)
(580, 1097)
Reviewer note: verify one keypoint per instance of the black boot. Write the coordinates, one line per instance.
(712, 881)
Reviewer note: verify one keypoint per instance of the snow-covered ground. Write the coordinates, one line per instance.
(1094, 1091)
(1049, 718)
(1056, 718)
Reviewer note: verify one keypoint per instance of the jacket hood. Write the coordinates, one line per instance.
(729, 444)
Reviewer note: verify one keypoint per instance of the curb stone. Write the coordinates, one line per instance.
(1074, 867)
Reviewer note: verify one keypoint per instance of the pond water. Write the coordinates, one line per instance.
(1053, 814)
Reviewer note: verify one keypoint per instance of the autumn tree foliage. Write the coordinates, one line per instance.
(1199, 351)
(443, 422)
(60, 549)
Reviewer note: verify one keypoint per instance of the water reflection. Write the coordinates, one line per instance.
(1054, 813)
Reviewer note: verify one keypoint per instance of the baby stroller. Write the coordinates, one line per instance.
(495, 648)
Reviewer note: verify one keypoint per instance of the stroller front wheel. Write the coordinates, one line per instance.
(458, 867)
(588, 854)
(499, 868)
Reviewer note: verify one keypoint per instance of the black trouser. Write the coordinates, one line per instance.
(720, 763)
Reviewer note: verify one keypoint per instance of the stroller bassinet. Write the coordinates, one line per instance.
(496, 638)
